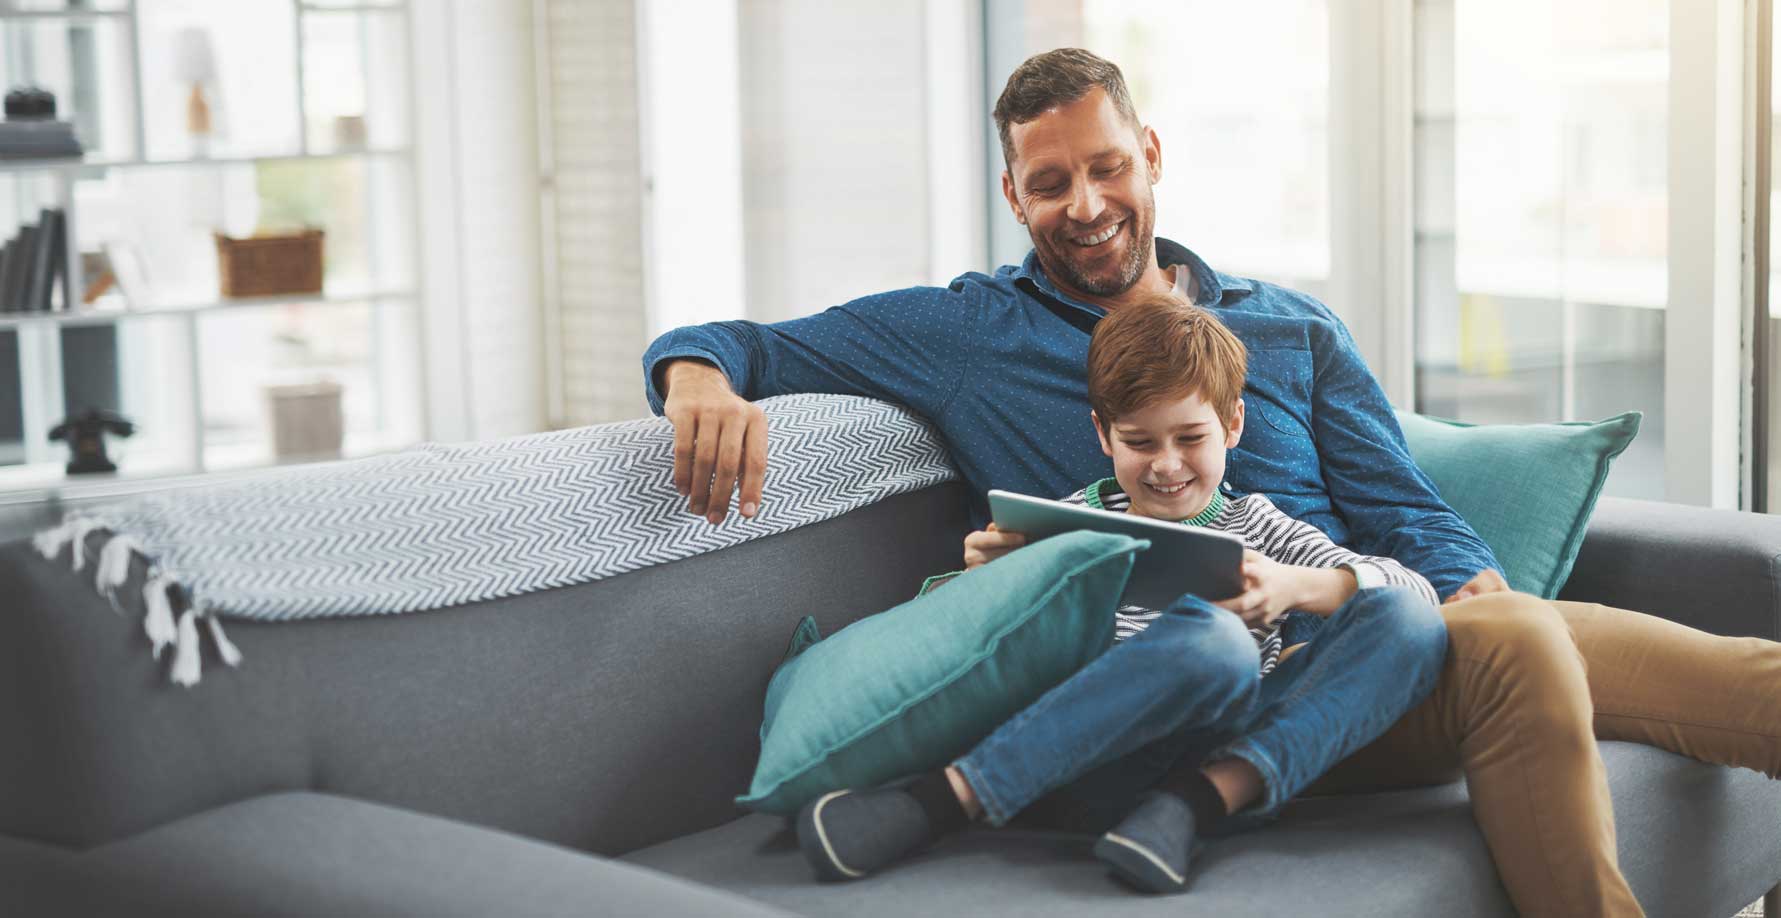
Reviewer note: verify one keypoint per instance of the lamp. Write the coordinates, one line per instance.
(194, 62)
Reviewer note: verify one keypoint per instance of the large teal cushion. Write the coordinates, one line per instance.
(1527, 489)
(915, 687)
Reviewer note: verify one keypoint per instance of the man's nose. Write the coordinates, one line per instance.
(1086, 203)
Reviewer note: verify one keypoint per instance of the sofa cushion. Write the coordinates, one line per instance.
(1694, 839)
(915, 686)
(1527, 489)
(314, 854)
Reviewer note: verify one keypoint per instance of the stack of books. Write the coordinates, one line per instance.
(37, 139)
(31, 263)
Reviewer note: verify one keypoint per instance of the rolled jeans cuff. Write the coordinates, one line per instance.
(995, 812)
(1272, 779)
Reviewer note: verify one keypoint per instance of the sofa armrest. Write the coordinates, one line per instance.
(1716, 570)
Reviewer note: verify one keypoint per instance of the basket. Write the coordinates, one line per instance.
(270, 265)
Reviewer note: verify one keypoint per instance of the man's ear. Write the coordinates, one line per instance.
(1013, 201)
(1101, 432)
(1236, 431)
(1153, 153)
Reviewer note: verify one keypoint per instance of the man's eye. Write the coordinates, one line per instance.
(1048, 191)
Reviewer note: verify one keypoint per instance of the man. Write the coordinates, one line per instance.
(996, 363)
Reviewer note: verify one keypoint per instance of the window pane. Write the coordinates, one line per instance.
(1542, 215)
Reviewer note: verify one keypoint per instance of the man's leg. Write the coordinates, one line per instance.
(1195, 665)
(1717, 699)
(1512, 709)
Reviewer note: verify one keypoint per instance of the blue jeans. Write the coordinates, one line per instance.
(1190, 685)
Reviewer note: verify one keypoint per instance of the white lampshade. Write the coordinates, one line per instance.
(194, 59)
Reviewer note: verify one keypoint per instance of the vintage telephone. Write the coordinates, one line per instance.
(86, 439)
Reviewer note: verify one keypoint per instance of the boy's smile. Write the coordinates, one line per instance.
(1169, 455)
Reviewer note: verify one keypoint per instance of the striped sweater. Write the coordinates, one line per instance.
(1268, 530)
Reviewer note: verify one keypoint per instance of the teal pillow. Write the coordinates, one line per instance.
(915, 687)
(1527, 489)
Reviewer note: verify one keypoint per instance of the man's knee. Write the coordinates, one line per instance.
(1511, 628)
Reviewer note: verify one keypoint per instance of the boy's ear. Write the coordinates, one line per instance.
(1236, 431)
(1101, 433)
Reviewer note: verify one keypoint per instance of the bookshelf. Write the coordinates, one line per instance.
(312, 115)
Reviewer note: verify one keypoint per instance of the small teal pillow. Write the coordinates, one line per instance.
(1527, 489)
(913, 688)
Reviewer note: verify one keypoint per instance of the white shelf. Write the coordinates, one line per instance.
(94, 165)
(103, 316)
(8, 15)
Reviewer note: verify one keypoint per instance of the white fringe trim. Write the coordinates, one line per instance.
(187, 665)
(231, 656)
(78, 534)
(158, 623)
(113, 568)
(50, 542)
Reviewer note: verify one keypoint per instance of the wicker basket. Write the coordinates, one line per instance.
(270, 265)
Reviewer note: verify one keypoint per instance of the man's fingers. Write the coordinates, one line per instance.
(727, 470)
(683, 454)
(754, 461)
(705, 449)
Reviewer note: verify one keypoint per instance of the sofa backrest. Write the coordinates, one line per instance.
(606, 716)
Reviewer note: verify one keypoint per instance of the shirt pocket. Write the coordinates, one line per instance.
(1278, 390)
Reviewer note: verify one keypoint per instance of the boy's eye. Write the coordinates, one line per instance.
(1138, 444)
(1193, 439)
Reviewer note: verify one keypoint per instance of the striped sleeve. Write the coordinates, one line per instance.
(1291, 541)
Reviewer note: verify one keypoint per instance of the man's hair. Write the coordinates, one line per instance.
(1163, 348)
(1045, 81)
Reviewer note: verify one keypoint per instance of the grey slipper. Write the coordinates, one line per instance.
(1152, 848)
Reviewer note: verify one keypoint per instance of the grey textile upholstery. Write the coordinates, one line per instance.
(604, 717)
(1694, 840)
(304, 854)
(1708, 569)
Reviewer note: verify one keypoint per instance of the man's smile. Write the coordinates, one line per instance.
(1094, 239)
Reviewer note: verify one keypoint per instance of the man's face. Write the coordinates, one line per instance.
(1081, 182)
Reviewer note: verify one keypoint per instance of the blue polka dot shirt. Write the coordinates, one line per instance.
(997, 364)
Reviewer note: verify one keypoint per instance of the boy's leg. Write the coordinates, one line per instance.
(1375, 658)
(1512, 709)
(1194, 665)
(1194, 668)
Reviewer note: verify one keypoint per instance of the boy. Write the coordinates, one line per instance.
(1195, 713)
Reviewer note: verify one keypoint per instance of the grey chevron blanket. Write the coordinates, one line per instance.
(439, 525)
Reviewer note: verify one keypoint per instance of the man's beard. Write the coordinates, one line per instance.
(1060, 267)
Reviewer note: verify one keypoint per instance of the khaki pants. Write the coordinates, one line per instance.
(1529, 687)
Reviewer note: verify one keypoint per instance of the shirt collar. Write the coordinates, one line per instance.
(1216, 288)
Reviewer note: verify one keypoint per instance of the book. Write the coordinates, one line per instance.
(42, 273)
(32, 139)
(8, 253)
(13, 284)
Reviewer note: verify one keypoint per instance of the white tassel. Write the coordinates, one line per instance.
(50, 541)
(159, 620)
(81, 528)
(113, 568)
(231, 656)
(186, 662)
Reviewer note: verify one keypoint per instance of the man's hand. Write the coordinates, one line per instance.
(986, 545)
(1487, 581)
(720, 438)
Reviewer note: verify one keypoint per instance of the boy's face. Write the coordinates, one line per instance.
(1169, 455)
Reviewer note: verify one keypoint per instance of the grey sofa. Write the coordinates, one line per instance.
(576, 751)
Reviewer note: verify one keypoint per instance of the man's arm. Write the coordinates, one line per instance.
(907, 346)
(1392, 508)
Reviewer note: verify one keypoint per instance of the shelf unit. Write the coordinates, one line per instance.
(386, 295)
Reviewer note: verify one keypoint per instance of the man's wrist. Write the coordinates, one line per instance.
(680, 370)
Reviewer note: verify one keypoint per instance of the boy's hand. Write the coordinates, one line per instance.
(986, 545)
(1270, 589)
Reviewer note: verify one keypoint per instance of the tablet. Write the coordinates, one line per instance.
(1181, 559)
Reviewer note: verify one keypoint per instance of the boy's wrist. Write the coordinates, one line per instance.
(1324, 590)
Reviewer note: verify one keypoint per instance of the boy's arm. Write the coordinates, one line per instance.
(909, 346)
(1329, 573)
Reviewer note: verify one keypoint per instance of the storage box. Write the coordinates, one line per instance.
(306, 421)
(270, 265)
